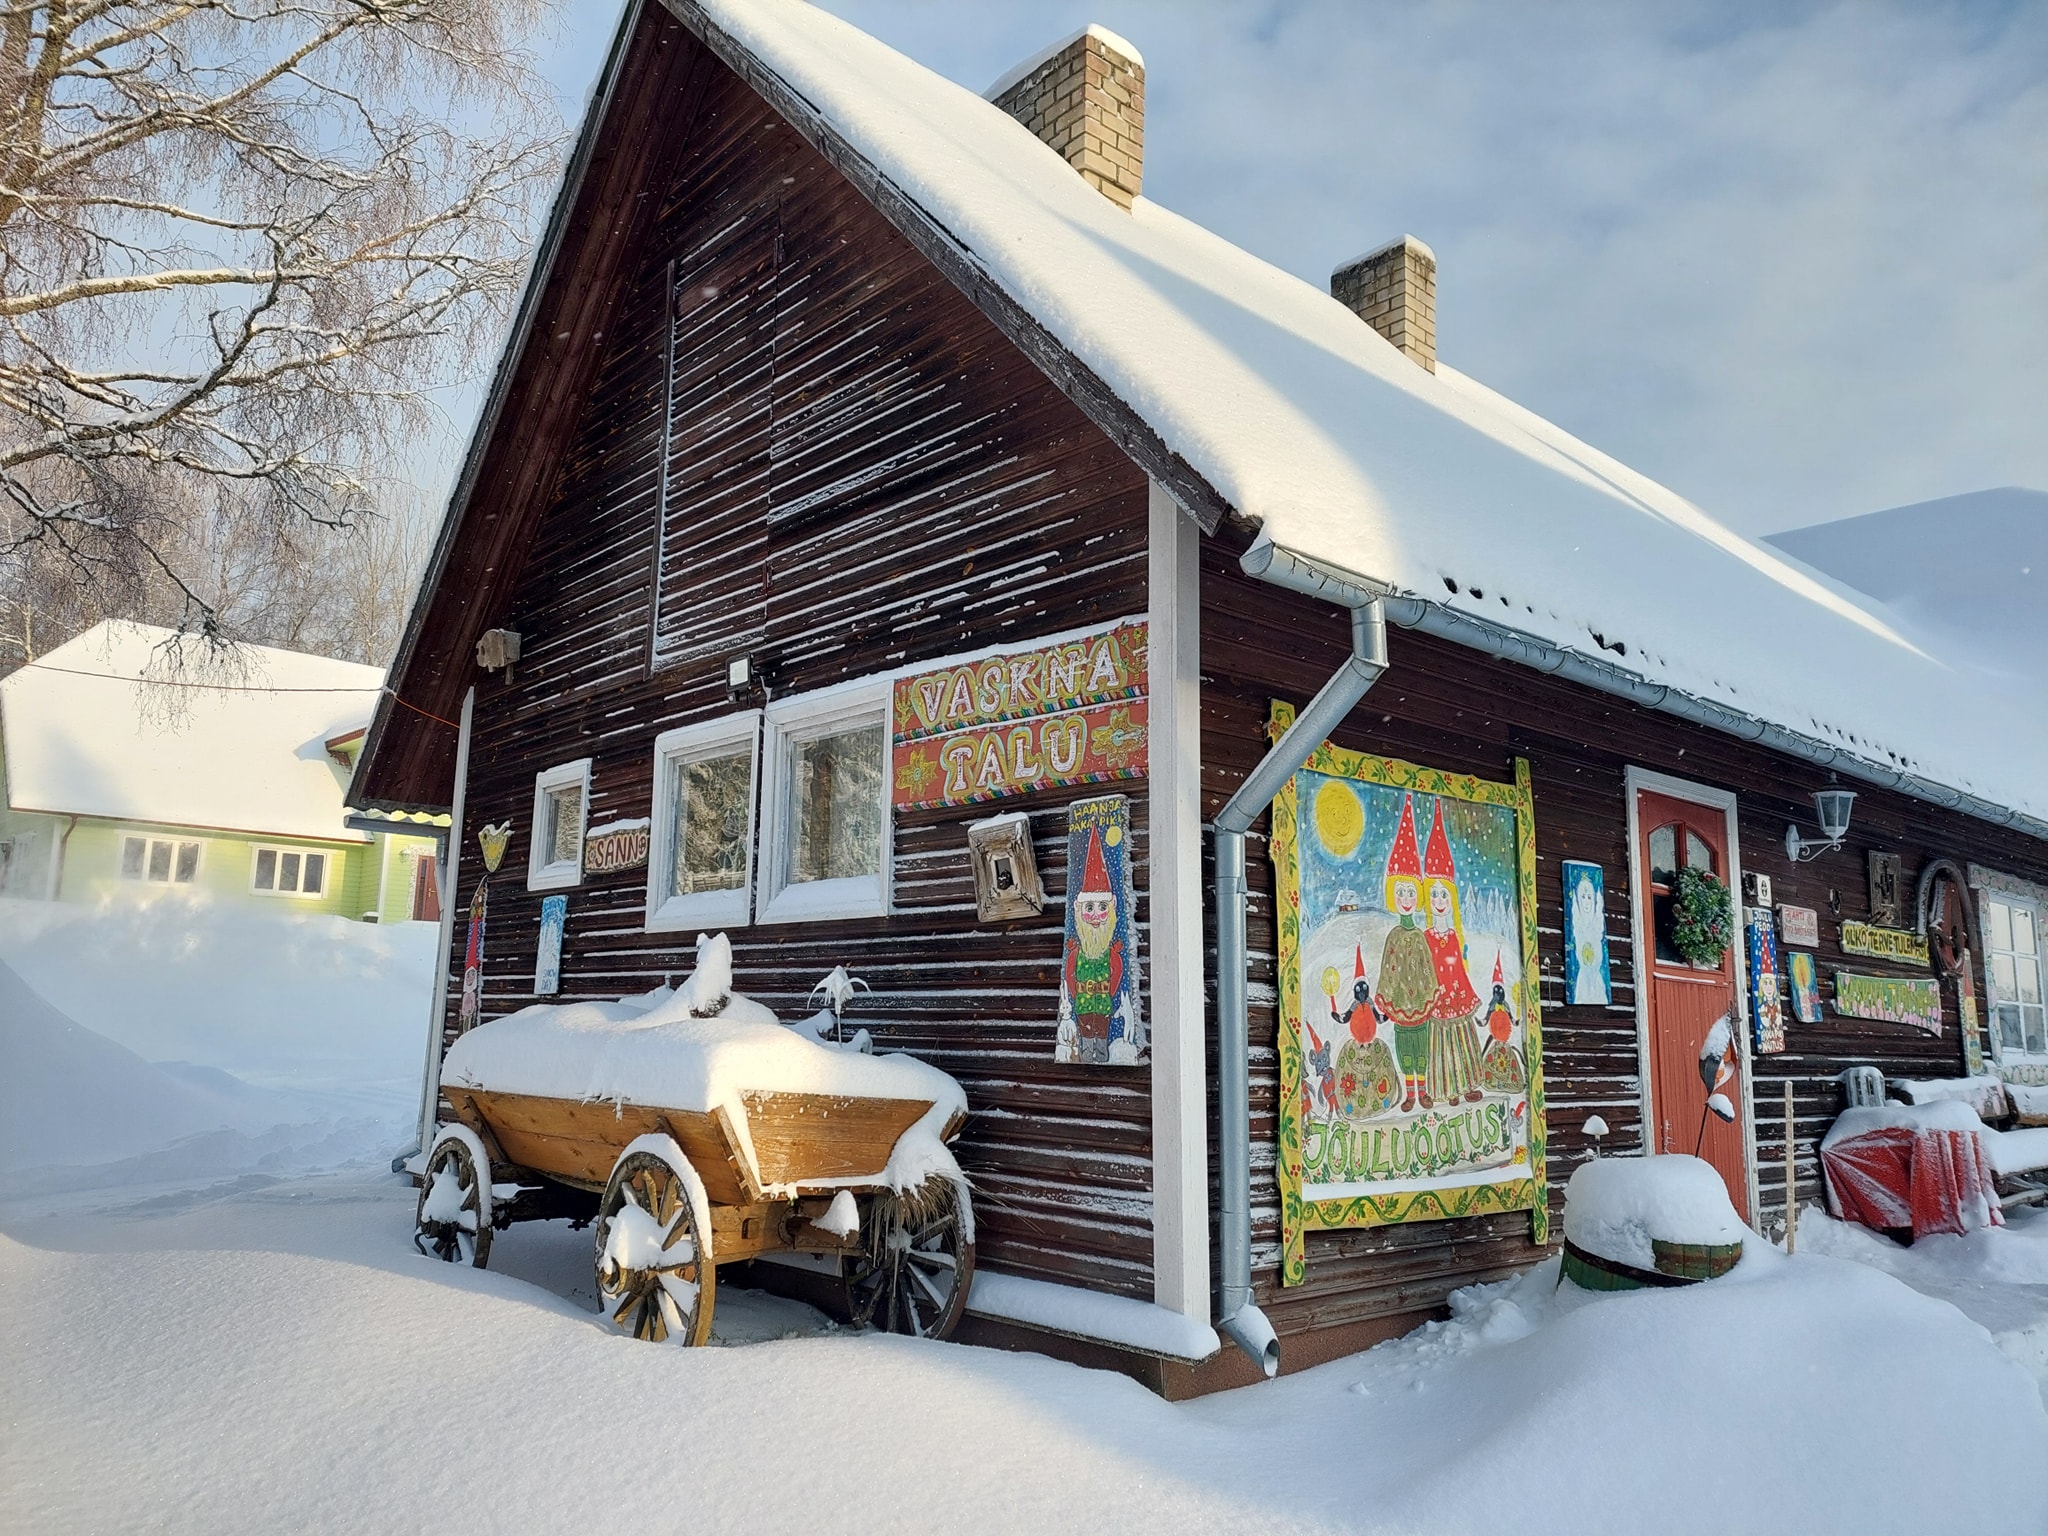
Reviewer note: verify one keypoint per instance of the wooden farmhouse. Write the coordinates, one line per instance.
(1309, 802)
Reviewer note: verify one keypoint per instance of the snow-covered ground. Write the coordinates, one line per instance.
(271, 1355)
(197, 1333)
(174, 1038)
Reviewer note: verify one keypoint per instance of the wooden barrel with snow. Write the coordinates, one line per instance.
(711, 1134)
(1636, 1222)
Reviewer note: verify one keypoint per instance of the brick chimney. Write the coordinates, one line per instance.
(1393, 290)
(1086, 98)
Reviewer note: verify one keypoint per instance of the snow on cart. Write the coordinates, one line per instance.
(709, 1133)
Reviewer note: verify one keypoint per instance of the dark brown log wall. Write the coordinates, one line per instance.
(862, 474)
(1452, 708)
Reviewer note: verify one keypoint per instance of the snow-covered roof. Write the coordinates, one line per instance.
(102, 727)
(1305, 419)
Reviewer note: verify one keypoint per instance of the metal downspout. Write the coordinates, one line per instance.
(1242, 1321)
(449, 872)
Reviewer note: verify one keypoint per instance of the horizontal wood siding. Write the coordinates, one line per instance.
(1452, 708)
(862, 474)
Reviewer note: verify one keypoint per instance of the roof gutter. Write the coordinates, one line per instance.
(1242, 1321)
(1283, 567)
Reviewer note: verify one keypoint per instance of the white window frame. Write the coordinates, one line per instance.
(2005, 1055)
(174, 844)
(789, 722)
(688, 744)
(325, 855)
(562, 873)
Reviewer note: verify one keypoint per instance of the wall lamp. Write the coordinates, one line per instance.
(1832, 805)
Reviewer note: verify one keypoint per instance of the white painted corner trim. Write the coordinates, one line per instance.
(1180, 1113)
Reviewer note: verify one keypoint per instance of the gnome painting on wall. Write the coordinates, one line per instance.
(1410, 1045)
(1101, 1022)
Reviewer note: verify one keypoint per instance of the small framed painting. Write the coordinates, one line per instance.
(547, 964)
(1587, 979)
(1805, 986)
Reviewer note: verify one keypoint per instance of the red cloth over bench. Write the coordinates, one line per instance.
(1898, 1177)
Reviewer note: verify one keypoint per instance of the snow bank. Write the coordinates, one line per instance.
(175, 1039)
(1615, 1207)
(70, 1096)
(1803, 1395)
(286, 999)
(1996, 1276)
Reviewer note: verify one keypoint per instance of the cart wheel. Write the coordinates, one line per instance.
(916, 1260)
(453, 1219)
(655, 1274)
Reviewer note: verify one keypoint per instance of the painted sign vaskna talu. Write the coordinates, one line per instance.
(1068, 712)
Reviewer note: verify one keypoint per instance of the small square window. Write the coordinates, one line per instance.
(701, 855)
(826, 847)
(561, 803)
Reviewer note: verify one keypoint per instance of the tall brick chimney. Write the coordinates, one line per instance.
(1393, 290)
(1086, 98)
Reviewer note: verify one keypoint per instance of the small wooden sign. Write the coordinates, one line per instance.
(1914, 1000)
(1887, 879)
(1900, 944)
(1799, 926)
(616, 846)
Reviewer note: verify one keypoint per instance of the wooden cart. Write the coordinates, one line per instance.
(681, 1192)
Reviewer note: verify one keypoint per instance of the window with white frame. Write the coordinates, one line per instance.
(288, 872)
(159, 860)
(700, 856)
(561, 800)
(825, 822)
(2012, 966)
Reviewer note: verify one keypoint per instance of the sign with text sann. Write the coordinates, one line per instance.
(1067, 712)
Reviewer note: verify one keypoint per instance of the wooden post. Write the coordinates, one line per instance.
(1791, 1191)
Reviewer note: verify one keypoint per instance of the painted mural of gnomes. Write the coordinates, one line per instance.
(1407, 980)
(1501, 1067)
(1365, 1079)
(1453, 1071)
(1100, 1022)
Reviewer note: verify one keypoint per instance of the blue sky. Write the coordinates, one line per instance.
(1792, 260)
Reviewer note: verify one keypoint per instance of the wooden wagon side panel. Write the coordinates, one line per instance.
(917, 490)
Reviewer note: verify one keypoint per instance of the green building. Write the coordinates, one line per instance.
(130, 777)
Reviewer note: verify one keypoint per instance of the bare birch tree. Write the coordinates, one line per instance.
(241, 241)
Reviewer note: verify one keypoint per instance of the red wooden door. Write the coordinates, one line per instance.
(1671, 834)
(426, 899)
